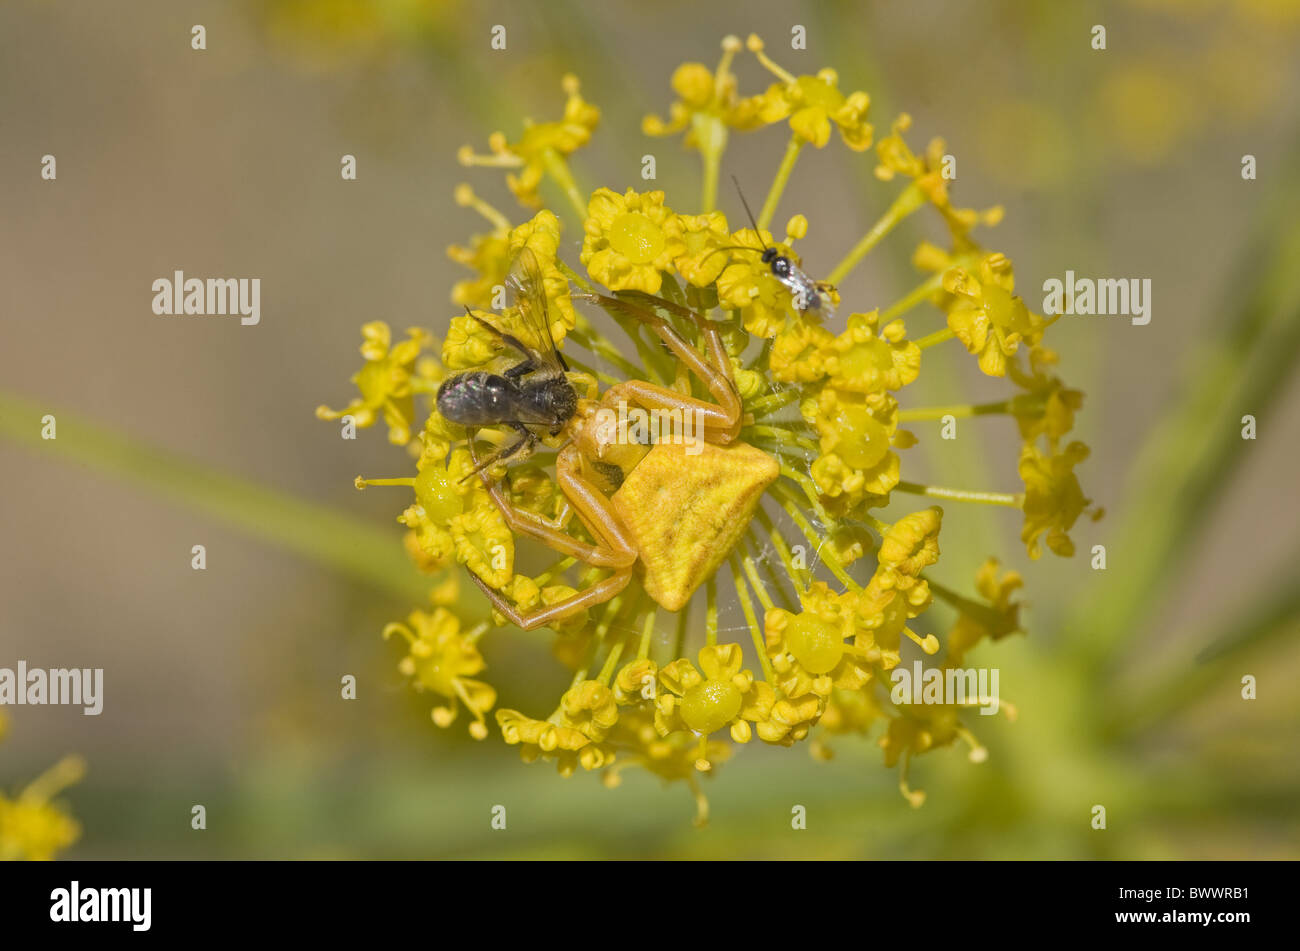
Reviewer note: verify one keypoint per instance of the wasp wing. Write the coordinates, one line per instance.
(525, 283)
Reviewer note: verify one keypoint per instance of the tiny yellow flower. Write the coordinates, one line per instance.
(860, 360)
(488, 255)
(384, 382)
(628, 240)
(484, 543)
(703, 703)
(994, 620)
(589, 708)
(636, 683)
(539, 144)
(927, 172)
(569, 747)
(809, 652)
(707, 103)
(813, 104)
(1053, 498)
(858, 433)
(923, 728)
(702, 239)
(443, 659)
(32, 826)
(1048, 408)
(986, 317)
(746, 284)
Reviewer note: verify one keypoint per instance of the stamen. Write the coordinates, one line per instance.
(361, 482)
(916, 798)
(466, 198)
(978, 753)
(929, 643)
(755, 45)
(398, 628)
(469, 158)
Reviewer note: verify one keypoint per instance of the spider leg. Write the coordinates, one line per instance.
(614, 548)
(599, 593)
(724, 419)
(595, 511)
(526, 441)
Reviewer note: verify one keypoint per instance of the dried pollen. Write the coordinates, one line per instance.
(685, 512)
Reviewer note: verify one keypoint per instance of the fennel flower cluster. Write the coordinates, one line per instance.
(769, 644)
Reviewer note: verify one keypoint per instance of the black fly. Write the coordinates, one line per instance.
(533, 392)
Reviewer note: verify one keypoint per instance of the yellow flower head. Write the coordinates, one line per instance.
(922, 729)
(994, 620)
(858, 433)
(703, 703)
(746, 284)
(702, 239)
(802, 441)
(1048, 408)
(927, 171)
(673, 758)
(861, 360)
(628, 240)
(32, 826)
(1053, 498)
(567, 746)
(636, 683)
(488, 255)
(589, 708)
(809, 651)
(384, 382)
(813, 104)
(707, 104)
(986, 316)
(442, 659)
(540, 144)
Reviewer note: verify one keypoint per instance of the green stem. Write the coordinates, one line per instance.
(907, 202)
(792, 150)
(962, 495)
(558, 169)
(939, 336)
(960, 411)
(346, 544)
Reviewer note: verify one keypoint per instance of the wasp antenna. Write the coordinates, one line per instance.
(730, 247)
(735, 181)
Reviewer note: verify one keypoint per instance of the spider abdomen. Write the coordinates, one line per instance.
(685, 512)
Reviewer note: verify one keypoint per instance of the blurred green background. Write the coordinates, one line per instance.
(222, 686)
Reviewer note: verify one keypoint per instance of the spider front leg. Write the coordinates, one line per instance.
(614, 548)
(723, 418)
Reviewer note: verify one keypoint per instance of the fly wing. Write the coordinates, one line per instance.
(525, 283)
